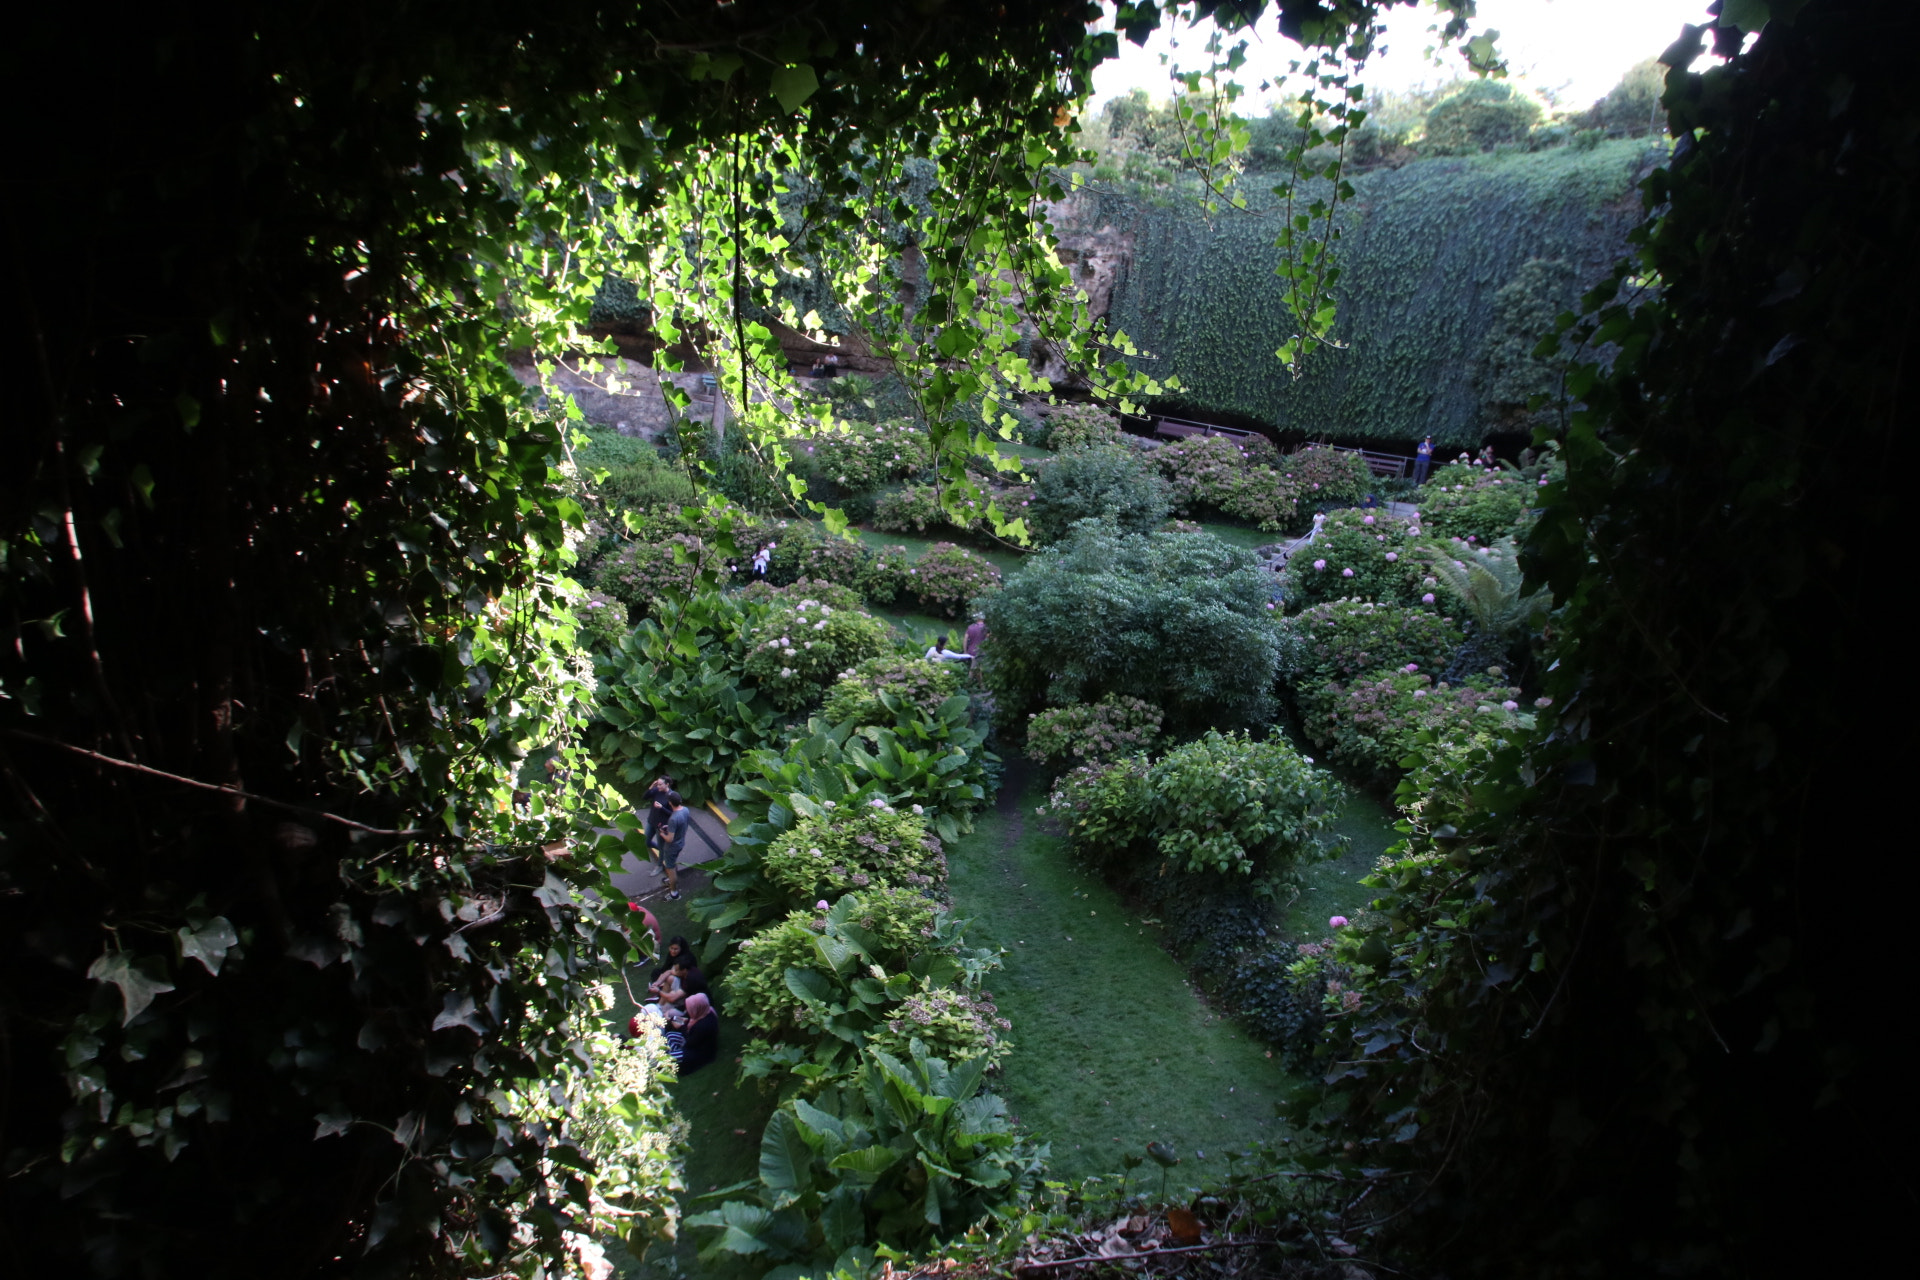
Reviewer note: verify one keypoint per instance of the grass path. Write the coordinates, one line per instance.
(1112, 1049)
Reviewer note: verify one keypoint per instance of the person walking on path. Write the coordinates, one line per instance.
(673, 841)
(1423, 460)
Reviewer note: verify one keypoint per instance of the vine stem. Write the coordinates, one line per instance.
(217, 788)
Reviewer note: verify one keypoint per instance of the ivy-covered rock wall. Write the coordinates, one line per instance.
(1424, 251)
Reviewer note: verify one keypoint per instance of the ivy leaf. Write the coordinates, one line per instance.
(209, 943)
(794, 85)
(137, 988)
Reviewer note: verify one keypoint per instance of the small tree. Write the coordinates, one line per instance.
(1481, 116)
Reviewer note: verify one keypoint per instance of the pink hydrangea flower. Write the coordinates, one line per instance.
(1336, 922)
(1411, 667)
(1346, 573)
(1366, 520)
(1543, 703)
(1427, 598)
(1319, 564)
(1509, 705)
(820, 905)
(1392, 556)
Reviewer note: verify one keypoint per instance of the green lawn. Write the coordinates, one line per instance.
(1332, 888)
(724, 1123)
(1241, 536)
(1112, 1049)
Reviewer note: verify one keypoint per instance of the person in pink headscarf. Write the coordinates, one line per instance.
(700, 1041)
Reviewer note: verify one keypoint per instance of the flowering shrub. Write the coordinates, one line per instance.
(948, 578)
(803, 552)
(1328, 476)
(895, 924)
(1105, 730)
(865, 455)
(1480, 503)
(1374, 723)
(1365, 555)
(866, 849)
(640, 573)
(828, 593)
(954, 1026)
(1103, 807)
(913, 509)
(921, 684)
(1342, 638)
(603, 621)
(1231, 477)
(1077, 426)
(795, 651)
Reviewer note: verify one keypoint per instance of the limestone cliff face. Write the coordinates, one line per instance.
(1095, 252)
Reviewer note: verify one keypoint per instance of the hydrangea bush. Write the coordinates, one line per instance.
(1344, 638)
(921, 684)
(949, 578)
(1328, 476)
(865, 455)
(1374, 722)
(1359, 554)
(955, 1025)
(1096, 481)
(1480, 504)
(915, 508)
(1236, 479)
(1227, 803)
(794, 652)
(1084, 733)
(1077, 426)
(867, 849)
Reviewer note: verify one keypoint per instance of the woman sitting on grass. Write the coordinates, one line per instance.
(700, 1042)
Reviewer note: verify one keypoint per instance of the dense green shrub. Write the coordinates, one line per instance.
(1511, 374)
(948, 579)
(865, 848)
(856, 695)
(1081, 426)
(794, 651)
(1343, 638)
(1179, 619)
(1096, 481)
(675, 702)
(1221, 803)
(1089, 733)
(1376, 720)
(914, 508)
(1359, 554)
(1328, 477)
(1227, 803)
(1231, 478)
(644, 484)
(1475, 502)
(892, 929)
(1482, 115)
(1269, 991)
(658, 563)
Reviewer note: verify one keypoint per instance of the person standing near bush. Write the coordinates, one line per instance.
(1423, 460)
(658, 810)
(673, 841)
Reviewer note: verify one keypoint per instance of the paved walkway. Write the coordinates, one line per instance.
(640, 879)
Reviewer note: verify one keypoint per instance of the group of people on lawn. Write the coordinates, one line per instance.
(681, 1007)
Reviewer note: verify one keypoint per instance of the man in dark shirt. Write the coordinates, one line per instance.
(673, 841)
